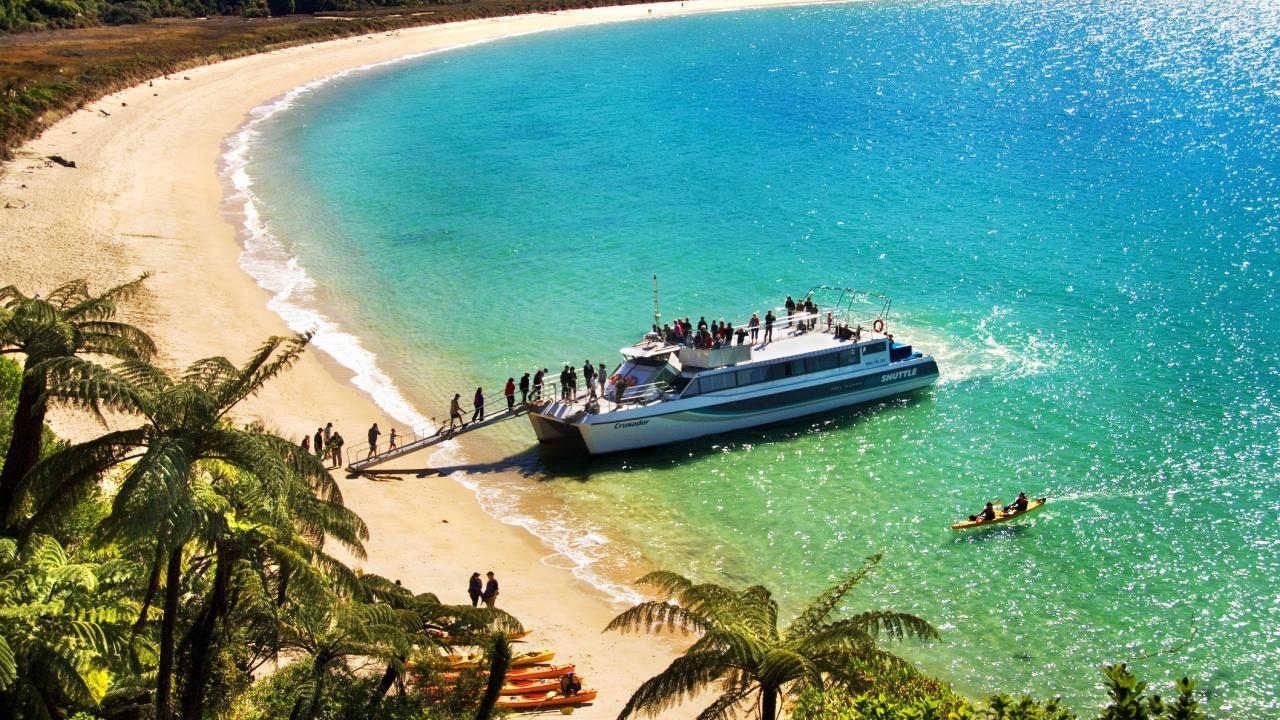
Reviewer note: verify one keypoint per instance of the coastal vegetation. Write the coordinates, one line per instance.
(741, 647)
(182, 566)
(155, 570)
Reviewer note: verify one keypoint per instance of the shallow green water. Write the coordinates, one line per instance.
(1074, 208)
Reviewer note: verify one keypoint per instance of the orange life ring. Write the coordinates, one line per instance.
(630, 380)
(614, 378)
(878, 325)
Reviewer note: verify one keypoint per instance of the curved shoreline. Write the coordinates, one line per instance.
(148, 194)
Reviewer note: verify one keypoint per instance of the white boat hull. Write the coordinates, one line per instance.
(679, 420)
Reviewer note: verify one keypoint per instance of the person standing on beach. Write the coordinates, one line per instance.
(510, 392)
(478, 414)
(391, 440)
(768, 326)
(335, 448)
(455, 410)
(490, 591)
(317, 442)
(524, 389)
(374, 433)
(328, 432)
(306, 444)
(474, 589)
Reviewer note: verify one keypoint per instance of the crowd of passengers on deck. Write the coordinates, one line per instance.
(716, 335)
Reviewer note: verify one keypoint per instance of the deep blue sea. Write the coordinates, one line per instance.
(1075, 207)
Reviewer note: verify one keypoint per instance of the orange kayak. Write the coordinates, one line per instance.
(526, 687)
(531, 672)
(535, 701)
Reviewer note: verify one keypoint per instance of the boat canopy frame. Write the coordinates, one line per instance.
(846, 300)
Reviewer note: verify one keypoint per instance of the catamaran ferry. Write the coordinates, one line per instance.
(817, 361)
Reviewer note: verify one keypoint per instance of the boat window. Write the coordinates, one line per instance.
(719, 381)
(848, 357)
(751, 376)
(827, 362)
(872, 349)
(776, 371)
(693, 388)
(795, 367)
(811, 364)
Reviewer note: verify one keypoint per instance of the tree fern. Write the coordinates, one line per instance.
(741, 647)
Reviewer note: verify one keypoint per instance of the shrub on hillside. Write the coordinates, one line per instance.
(126, 13)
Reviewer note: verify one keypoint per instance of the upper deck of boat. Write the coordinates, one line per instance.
(787, 342)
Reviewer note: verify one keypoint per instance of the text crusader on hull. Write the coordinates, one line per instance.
(675, 385)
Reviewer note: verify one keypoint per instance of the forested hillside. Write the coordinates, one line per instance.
(22, 15)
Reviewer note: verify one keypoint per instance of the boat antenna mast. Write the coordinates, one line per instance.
(657, 313)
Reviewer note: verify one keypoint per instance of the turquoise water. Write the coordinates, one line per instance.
(1074, 206)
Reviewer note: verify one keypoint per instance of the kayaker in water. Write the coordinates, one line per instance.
(1019, 505)
(988, 512)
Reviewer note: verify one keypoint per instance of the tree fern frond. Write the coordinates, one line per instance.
(725, 707)
(822, 606)
(683, 678)
(666, 583)
(894, 625)
(658, 615)
(8, 665)
(80, 383)
(103, 337)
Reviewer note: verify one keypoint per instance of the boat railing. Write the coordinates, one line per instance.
(437, 426)
(595, 402)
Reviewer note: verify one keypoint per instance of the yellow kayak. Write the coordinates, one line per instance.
(532, 657)
(1001, 516)
(477, 659)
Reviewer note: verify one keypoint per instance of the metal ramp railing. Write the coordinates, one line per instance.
(435, 431)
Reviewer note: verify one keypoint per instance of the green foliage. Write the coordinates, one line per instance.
(344, 698)
(63, 627)
(10, 382)
(741, 647)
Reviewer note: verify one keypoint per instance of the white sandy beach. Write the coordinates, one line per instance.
(147, 195)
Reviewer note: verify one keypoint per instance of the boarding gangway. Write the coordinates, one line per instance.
(437, 430)
(434, 432)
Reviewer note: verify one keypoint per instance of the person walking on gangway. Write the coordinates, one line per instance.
(455, 411)
(374, 432)
(510, 392)
(524, 389)
(478, 415)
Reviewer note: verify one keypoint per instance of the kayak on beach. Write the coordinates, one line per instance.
(1000, 516)
(534, 701)
(528, 672)
(529, 657)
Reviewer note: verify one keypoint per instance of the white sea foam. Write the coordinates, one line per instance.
(269, 261)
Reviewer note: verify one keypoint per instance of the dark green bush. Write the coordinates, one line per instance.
(127, 13)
